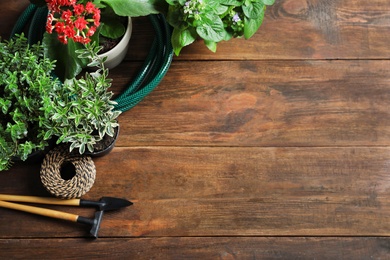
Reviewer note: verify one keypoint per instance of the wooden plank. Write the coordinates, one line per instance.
(11, 10)
(197, 191)
(261, 103)
(312, 29)
(292, 29)
(199, 248)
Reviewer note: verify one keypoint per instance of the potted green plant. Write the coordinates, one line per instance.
(25, 80)
(70, 24)
(211, 20)
(81, 110)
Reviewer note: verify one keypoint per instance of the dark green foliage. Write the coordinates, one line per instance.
(25, 79)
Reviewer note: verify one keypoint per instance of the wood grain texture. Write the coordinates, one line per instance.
(11, 10)
(309, 29)
(275, 147)
(193, 191)
(199, 248)
(262, 103)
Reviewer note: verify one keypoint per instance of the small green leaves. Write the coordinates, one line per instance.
(5, 105)
(81, 111)
(25, 80)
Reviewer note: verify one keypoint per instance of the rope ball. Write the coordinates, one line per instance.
(77, 185)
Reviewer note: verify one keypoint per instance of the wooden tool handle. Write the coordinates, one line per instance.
(40, 200)
(40, 211)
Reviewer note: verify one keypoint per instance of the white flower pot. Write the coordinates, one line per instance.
(116, 55)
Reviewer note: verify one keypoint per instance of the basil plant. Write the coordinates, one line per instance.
(214, 20)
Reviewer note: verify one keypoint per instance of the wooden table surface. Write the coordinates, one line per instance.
(276, 147)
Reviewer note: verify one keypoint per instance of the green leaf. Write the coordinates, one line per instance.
(211, 45)
(68, 64)
(48, 134)
(82, 148)
(268, 2)
(25, 149)
(254, 10)
(174, 17)
(231, 2)
(112, 29)
(5, 105)
(112, 26)
(212, 29)
(18, 131)
(90, 147)
(181, 38)
(251, 26)
(221, 9)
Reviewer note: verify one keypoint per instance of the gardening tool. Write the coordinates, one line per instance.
(105, 203)
(94, 223)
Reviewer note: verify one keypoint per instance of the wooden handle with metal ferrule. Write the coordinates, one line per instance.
(40, 211)
(40, 200)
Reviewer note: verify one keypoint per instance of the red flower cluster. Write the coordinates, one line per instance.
(72, 20)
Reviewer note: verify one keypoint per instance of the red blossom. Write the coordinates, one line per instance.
(66, 15)
(90, 8)
(80, 23)
(49, 26)
(96, 18)
(59, 27)
(78, 9)
(91, 31)
(69, 32)
(63, 39)
(86, 40)
(72, 20)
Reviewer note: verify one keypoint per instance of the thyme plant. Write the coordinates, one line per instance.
(25, 81)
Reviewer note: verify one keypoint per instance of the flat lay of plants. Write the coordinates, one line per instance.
(42, 93)
(70, 23)
(25, 81)
(36, 107)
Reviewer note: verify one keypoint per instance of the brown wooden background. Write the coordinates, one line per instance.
(276, 147)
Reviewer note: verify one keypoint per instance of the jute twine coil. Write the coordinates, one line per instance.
(75, 187)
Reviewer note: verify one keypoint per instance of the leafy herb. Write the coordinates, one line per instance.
(81, 111)
(213, 20)
(25, 80)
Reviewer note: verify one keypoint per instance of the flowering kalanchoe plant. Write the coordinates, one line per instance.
(72, 20)
(73, 23)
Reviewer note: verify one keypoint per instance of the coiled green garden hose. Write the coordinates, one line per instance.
(153, 70)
